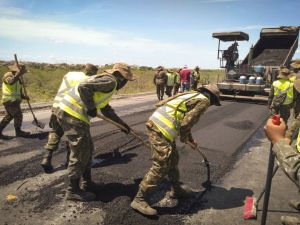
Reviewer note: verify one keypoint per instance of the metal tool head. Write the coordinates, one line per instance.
(38, 124)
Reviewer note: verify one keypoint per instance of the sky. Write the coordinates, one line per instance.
(170, 33)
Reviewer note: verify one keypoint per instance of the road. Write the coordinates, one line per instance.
(221, 133)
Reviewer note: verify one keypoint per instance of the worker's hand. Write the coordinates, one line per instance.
(274, 132)
(22, 69)
(92, 112)
(126, 128)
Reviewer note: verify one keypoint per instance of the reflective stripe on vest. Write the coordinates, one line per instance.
(70, 80)
(168, 117)
(72, 104)
(11, 92)
(284, 86)
(298, 141)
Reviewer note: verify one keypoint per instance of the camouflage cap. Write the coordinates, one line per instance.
(284, 73)
(295, 64)
(124, 70)
(213, 89)
(90, 69)
(15, 68)
(297, 83)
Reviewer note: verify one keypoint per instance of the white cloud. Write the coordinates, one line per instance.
(298, 51)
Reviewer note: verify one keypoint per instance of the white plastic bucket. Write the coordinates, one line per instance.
(242, 79)
(251, 80)
(259, 80)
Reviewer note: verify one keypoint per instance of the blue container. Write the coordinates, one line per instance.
(259, 69)
(259, 80)
(243, 80)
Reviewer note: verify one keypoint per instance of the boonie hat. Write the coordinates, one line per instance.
(124, 70)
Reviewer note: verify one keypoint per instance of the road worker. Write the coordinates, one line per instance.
(55, 134)
(74, 110)
(171, 76)
(281, 95)
(295, 71)
(174, 117)
(12, 96)
(177, 82)
(160, 81)
(195, 78)
(286, 146)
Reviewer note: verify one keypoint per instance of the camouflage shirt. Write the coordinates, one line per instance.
(289, 160)
(195, 108)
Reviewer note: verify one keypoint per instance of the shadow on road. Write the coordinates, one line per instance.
(112, 158)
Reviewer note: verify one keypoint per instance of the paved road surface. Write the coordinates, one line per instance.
(221, 133)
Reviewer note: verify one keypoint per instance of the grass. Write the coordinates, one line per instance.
(42, 82)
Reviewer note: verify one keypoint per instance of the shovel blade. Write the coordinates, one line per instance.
(38, 124)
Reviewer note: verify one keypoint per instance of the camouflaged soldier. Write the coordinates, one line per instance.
(281, 95)
(195, 78)
(174, 116)
(160, 81)
(74, 110)
(70, 80)
(287, 155)
(12, 96)
(295, 71)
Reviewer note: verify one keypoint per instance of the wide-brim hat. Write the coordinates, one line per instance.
(124, 70)
(297, 83)
(214, 90)
(295, 64)
(284, 73)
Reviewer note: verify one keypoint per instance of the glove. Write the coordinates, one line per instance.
(92, 112)
(127, 130)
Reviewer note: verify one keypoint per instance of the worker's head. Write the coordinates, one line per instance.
(122, 72)
(212, 91)
(197, 68)
(15, 68)
(295, 65)
(170, 71)
(159, 68)
(90, 69)
(284, 73)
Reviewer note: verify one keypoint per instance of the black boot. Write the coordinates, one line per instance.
(74, 193)
(46, 162)
(87, 183)
(21, 133)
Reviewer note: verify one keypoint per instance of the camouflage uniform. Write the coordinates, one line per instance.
(160, 80)
(13, 107)
(164, 153)
(195, 78)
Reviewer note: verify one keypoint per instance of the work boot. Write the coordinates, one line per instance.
(87, 183)
(46, 162)
(21, 133)
(179, 191)
(140, 204)
(290, 220)
(294, 204)
(74, 193)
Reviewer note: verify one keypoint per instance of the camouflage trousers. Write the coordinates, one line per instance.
(13, 112)
(164, 161)
(160, 89)
(80, 143)
(55, 134)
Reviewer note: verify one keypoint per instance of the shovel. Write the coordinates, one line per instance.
(35, 121)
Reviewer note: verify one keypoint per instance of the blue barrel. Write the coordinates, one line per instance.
(259, 80)
(259, 69)
(251, 80)
(242, 79)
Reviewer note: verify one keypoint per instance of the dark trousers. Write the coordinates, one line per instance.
(13, 112)
(176, 89)
(160, 89)
(169, 90)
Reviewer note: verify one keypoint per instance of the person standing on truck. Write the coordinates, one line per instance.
(12, 96)
(160, 81)
(174, 117)
(281, 95)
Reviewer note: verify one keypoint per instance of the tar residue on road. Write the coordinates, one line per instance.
(240, 125)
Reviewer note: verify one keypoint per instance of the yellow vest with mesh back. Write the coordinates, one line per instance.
(11, 92)
(70, 80)
(284, 86)
(168, 117)
(72, 104)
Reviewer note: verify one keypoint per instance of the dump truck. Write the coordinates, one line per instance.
(252, 77)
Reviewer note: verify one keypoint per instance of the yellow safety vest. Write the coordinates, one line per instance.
(284, 86)
(171, 79)
(292, 78)
(72, 104)
(11, 92)
(298, 141)
(71, 79)
(168, 117)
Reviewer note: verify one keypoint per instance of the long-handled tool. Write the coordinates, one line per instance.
(207, 183)
(250, 207)
(35, 121)
(123, 128)
(251, 203)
